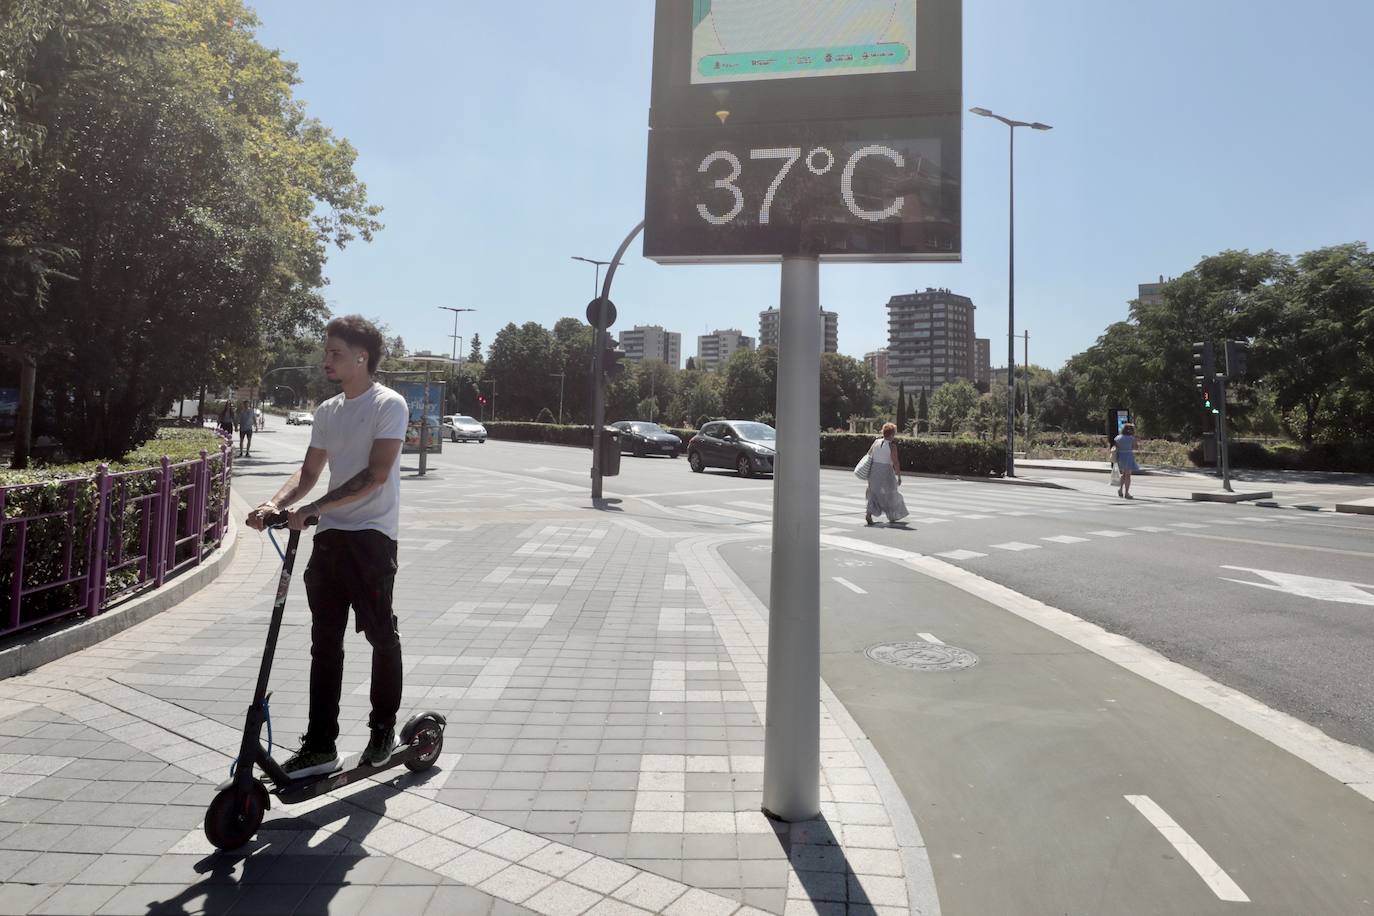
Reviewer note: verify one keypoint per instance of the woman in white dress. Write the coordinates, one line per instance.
(885, 477)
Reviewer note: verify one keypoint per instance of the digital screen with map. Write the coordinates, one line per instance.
(738, 40)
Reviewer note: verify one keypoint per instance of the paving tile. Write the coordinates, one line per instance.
(453, 900)
(20, 898)
(472, 867)
(562, 899)
(697, 902)
(268, 900)
(334, 900)
(73, 898)
(117, 869)
(52, 868)
(651, 892)
(602, 875)
(516, 883)
(391, 901)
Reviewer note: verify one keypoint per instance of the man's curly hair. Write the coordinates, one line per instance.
(357, 331)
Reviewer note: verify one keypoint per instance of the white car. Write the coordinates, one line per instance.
(463, 429)
(300, 418)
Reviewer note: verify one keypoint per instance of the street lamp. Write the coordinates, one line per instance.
(1011, 275)
(596, 283)
(560, 376)
(457, 350)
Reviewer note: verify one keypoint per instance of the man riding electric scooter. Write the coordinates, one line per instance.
(359, 434)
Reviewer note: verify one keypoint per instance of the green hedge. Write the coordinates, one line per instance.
(1352, 457)
(962, 457)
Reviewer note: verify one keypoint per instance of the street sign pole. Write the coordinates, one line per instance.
(791, 756)
(598, 400)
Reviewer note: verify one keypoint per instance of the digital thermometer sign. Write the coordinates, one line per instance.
(883, 189)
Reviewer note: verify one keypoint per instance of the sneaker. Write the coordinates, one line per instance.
(379, 747)
(311, 761)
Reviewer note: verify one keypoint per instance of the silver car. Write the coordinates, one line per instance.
(464, 429)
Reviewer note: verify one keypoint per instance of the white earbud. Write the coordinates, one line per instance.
(360, 359)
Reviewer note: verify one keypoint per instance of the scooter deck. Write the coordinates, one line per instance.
(299, 790)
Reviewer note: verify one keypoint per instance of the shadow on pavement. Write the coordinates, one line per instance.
(823, 870)
(269, 855)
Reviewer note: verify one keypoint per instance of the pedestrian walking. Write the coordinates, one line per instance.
(1123, 454)
(358, 434)
(884, 478)
(226, 421)
(247, 420)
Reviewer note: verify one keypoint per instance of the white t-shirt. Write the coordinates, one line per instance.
(346, 428)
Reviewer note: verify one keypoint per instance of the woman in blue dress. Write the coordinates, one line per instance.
(1123, 447)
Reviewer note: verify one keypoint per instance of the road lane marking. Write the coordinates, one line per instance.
(931, 637)
(1109, 533)
(1185, 525)
(1337, 590)
(1190, 850)
(1151, 529)
(849, 585)
(1066, 539)
(1014, 546)
(961, 555)
(725, 513)
(1217, 537)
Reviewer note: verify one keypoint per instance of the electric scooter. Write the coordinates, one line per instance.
(238, 808)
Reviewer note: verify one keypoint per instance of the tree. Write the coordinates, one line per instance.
(923, 413)
(475, 350)
(1315, 349)
(165, 197)
(574, 338)
(691, 362)
(953, 405)
(744, 392)
(847, 388)
(697, 396)
(901, 407)
(519, 362)
(910, 410)
(656, 384)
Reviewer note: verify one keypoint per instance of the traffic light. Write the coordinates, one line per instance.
(1206, 397)
(611, 366)
(482, 399)
(1237, 352)
(1204, 362)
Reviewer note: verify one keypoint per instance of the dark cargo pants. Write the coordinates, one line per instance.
(357, 569)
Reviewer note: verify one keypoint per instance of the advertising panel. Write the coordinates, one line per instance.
(414, 393)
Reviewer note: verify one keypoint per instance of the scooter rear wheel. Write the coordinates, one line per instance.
(235, 815)
(424, 730)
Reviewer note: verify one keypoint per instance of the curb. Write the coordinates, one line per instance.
(1365, 507)
(1230, 497)
(65, 637)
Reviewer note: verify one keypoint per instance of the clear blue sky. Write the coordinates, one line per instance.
(504, 137)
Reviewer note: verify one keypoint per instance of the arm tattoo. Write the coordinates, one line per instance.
(355, 485)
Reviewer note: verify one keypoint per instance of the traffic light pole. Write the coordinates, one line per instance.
(1223, 435)
(599, 337)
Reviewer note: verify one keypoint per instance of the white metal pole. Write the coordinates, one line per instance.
(791, 763)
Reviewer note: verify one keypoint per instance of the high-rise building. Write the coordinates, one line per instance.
(877, 361)
(714, 349)
(930, 339)
(770, 326)
(652, 342)
(1152, 293)
(983, 361)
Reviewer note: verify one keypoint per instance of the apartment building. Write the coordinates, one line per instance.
(930, 339)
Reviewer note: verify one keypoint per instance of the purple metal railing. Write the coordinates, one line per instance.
(119, 533)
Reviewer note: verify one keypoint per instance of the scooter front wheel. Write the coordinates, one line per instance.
(235, 815)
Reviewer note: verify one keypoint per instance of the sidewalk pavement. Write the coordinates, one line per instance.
(604, 685)
(1296, 489)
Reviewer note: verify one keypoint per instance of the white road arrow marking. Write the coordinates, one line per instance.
(1308, 586)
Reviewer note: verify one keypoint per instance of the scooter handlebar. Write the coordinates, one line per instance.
(280, 520)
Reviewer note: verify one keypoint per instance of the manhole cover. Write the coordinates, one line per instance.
(922, 656)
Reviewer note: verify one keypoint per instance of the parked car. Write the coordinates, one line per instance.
(744, 445)
(643, 438)
(300, 418)
(461, 428)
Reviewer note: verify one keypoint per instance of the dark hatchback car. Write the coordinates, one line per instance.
(743, 445)
(644, 438)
